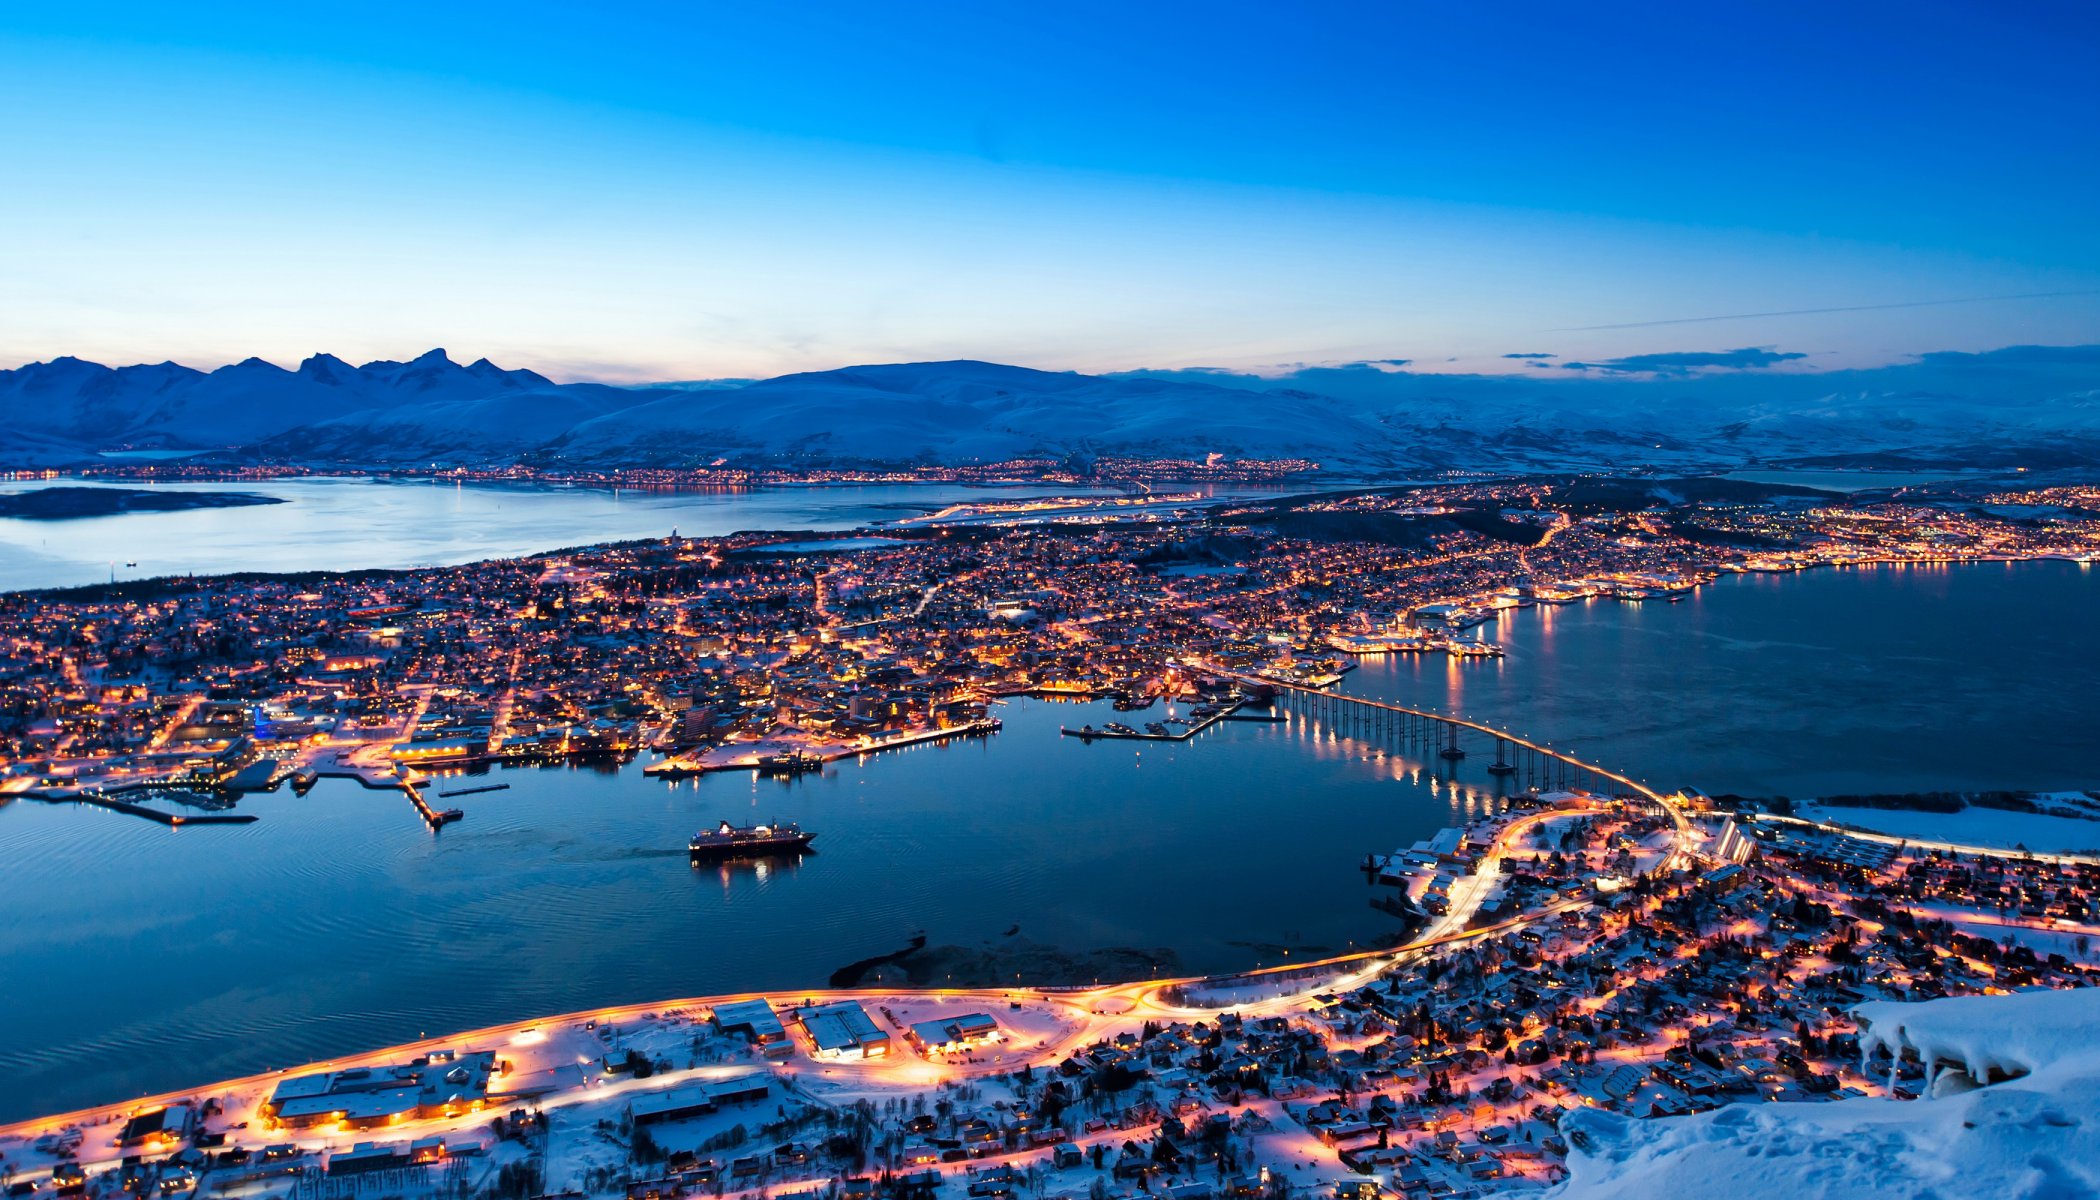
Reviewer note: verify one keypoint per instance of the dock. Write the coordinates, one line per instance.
(435, 818)
(1089, 733)
(172, 820)
(474, 791)
(686, 767)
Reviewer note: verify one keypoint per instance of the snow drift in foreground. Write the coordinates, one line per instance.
(2037, 1136)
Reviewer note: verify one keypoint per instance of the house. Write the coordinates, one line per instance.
(158, 1128)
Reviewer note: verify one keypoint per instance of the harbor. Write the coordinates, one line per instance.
(1202, 717)
(783, 757)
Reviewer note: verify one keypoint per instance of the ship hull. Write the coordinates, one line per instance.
(754, 848)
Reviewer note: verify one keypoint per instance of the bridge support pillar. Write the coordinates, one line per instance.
(1451, 749)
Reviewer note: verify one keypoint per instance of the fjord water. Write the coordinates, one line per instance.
(347, 524)
(141, 958)
(1889, 678)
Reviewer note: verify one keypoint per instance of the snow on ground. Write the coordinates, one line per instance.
(1971, 826)
(2078, 942)
(2036, 1136)
(2018, 1034)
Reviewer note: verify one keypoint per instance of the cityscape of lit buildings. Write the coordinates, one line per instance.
(1614, 949)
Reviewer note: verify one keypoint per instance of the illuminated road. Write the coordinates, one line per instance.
(1094, 1014)
(1890, 839)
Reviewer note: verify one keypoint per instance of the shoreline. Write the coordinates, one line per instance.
(1095, 998)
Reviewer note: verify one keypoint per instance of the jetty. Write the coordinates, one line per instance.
(435, 818)
(474, 791)
(802, 759)
(1158, 732)
(164, 817)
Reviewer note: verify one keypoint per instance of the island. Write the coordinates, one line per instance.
(70, 503)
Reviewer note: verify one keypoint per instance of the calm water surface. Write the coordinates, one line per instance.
(138, 958)
(351, 524)
(142, 958)
(1862, 679)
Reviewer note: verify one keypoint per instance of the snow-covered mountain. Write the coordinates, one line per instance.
(2021, 404)
(975, 411)
(163, 404)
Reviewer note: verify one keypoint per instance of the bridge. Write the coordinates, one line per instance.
(1534, 765)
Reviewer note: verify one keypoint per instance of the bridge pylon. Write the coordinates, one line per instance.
(1501, 765)
(1452, 750)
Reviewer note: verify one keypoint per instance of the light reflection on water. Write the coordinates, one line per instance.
(1864, 679)
(141, 958)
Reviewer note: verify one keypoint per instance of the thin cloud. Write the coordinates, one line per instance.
(1748, 358)
(1811, 312)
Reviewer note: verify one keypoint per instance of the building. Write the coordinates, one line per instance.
(697, 1099)
(158, 1128)
(756, 1022)
(842, 1030)
(442, 1084)
(952, 1034)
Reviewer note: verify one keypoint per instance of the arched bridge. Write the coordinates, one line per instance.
(1519, 759)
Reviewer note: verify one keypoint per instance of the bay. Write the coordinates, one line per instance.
(356, 523)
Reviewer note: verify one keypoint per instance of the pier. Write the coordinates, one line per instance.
(172, 820)
(435, 818)
(686, 766)
(1089, 733)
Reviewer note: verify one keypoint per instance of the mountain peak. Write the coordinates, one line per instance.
(326, 368)
(252, 364)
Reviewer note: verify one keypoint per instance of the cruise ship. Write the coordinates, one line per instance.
(749, 841)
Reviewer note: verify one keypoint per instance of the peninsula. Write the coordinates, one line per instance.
(72, 503)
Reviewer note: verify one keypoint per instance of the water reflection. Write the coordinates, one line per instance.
(338, 920)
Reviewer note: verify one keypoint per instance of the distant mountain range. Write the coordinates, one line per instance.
(2022, 404)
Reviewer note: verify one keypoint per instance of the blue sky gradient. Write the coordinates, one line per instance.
(679, 191)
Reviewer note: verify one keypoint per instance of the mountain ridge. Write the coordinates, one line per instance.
(431, 409)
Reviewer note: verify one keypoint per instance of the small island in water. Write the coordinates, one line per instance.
(67, 503)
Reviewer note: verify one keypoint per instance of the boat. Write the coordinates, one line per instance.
(794, 762)
(748, 841)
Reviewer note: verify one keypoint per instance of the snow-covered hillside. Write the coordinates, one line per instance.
(2021, 406)
(965, 411)
(2036, 1135)
(93, 406)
